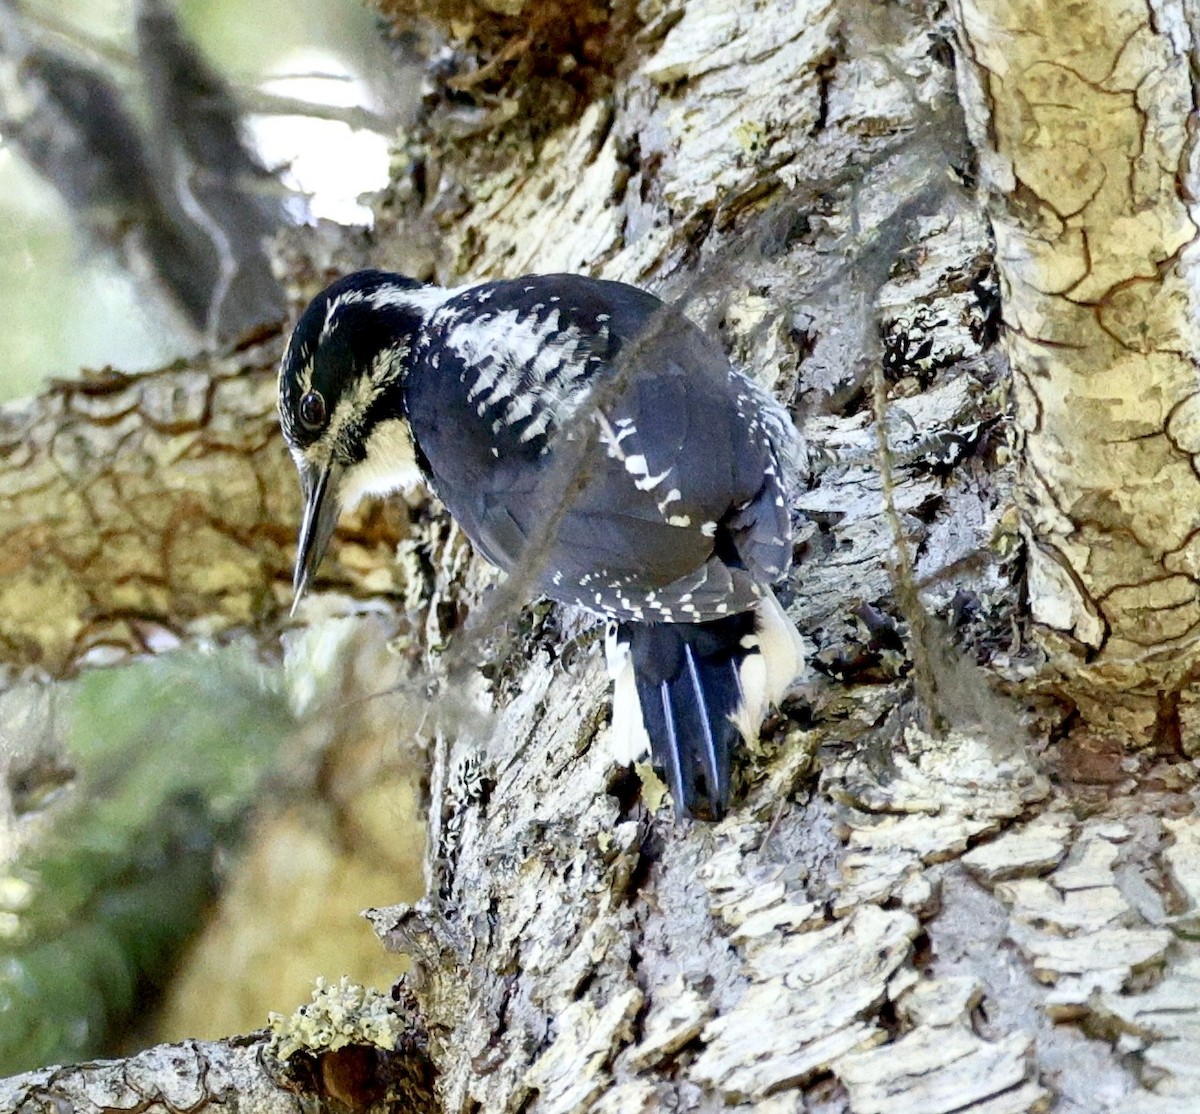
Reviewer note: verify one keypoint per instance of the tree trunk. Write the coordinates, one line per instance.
(891, 919)
(1082, 121)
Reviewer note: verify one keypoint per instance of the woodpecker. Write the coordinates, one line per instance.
(591, 435)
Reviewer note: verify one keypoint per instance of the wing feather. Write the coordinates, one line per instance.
(679, 492)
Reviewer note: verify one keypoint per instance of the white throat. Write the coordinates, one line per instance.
(390, 464)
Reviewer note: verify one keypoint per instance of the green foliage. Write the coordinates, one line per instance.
(171, 754)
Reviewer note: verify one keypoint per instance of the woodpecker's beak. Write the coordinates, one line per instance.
(320, 517)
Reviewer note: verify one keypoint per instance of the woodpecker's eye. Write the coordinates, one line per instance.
(312, 411)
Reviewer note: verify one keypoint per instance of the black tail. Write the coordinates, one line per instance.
(689, 688)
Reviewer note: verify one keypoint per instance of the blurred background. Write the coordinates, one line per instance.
(69, 304)
(166, 872)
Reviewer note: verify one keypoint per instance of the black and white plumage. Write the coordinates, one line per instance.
(589, 417)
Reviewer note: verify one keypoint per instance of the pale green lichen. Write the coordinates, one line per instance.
(340, 1014)
(654, 789)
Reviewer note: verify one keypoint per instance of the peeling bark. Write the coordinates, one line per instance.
(576, 951)
(190, 1076)
(825, 947)
(239, 1074)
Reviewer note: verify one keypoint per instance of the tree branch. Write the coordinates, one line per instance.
(136, 510)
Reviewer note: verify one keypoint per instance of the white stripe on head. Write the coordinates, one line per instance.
(353, 404)
(346, 298)
(426, 298)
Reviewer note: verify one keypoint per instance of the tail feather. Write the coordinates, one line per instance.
(687, 691)
(688, 721)
(715, 764)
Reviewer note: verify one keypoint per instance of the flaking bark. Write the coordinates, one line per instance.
(191, 1076)
(783, 170)
(237, 1074)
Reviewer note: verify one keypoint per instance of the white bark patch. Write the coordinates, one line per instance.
(676, 1016)
(546, 220)
(942, 795)
(1034, 848)
(944, 1067)
(811, 1002)
(1095, 930)
(571, 1073)
(745, 102)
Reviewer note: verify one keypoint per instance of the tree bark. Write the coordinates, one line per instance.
(891, 919)
(191, 1076)
(1089, 161)
(139, 510)
(241, 1073)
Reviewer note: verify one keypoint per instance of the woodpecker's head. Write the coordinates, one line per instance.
(341, 399)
